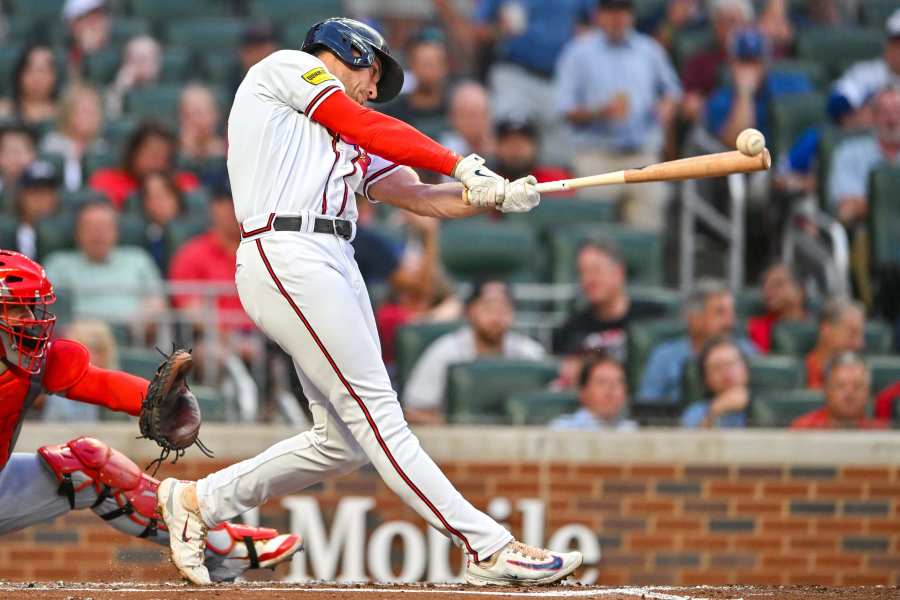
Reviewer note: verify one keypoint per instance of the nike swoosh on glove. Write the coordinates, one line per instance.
(521, 196)
(472, 172)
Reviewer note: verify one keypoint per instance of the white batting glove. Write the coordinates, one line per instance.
(521, 196)
(484, 188)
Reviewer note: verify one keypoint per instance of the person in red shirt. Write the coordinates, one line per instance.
(783, 299)
(847, 382)
(150, 149)
(842, 325)
(85, 472)
(210, 257)
(887, 402)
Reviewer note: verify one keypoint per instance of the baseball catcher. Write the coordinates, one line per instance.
(85, 472)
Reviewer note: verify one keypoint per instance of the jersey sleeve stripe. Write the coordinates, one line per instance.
(377, 176)
(317, 100)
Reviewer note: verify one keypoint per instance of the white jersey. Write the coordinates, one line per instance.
(281, 161)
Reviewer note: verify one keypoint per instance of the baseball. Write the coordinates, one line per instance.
(750, 142)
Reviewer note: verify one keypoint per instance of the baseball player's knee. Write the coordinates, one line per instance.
(91, 474)
(346, 453)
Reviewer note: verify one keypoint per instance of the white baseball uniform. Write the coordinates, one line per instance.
(305, 291)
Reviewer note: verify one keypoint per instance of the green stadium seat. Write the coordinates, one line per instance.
(813, 70)
(642, 250)
(139, 361)
(100, 67)
(799, 337)
(212, 404)
(206, 34)
(285, 11)
(176, 10)
(180, 231)
(123, 29)
(780, 408)
(8, 228)
(876, 12)
(749, 302)
(689, 42)
(159, 102)
(71, 200)
(884, 215)
(220, 68)
(176, 63)
(37, 9)
(9, 55)
(412, 340)
(132, 230)
(642, 338)
(834, 48)
(791, 115)
(94, 161)
(294, 32)
(539, 407)
(554, 213)
(885, 370)
(474, 249)
(477, 391)
(667, 301)
(54, 234)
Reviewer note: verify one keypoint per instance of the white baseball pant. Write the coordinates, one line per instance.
(305, 291)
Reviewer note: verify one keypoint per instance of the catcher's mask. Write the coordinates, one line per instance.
(26, 323)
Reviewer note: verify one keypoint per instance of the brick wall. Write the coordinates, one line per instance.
(656, 522)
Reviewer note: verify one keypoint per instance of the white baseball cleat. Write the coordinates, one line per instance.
(187, 531)
(518, 564)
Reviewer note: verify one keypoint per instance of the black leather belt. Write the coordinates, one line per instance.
(339, 227)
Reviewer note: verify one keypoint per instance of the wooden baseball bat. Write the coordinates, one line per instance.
(694, 167)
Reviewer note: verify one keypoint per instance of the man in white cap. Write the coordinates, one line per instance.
(864, 79)
(88, 24)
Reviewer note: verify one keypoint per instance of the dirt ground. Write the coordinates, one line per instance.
(97, 591)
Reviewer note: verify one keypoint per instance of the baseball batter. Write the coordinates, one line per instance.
(302, 147)
(86, 473)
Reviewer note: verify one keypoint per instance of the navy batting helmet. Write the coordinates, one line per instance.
(343, 36)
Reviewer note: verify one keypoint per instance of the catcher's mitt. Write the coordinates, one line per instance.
(170, 414)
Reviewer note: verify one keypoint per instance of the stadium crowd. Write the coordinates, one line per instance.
(112, 173)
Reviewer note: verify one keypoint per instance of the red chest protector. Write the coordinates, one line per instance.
(66, 363)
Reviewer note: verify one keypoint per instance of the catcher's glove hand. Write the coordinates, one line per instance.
(170, 414)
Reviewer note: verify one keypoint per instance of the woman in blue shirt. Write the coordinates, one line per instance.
(725, 375)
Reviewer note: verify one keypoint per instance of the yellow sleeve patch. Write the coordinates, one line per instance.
(317, 76)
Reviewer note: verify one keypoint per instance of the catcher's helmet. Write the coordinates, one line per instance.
(25, 322)
(343, 36)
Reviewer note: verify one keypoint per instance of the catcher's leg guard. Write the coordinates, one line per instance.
(123, 495)
(91, 474)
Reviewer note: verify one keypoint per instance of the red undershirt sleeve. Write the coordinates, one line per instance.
(383, 135)
(115, 390)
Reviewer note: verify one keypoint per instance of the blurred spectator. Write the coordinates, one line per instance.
(37, 198)
(89, 24)
(617, 89)
(198, 118)
(887, 403)
(105, 281)
(77, 132)
(783, 299)
(470, 121)
(528, 37)
(149, 149)
(97, 337)
(16, 153)
(161, 203)
(776, 26)
(854, 158)
(678, 17)
(847, 382)
(418, 289)
(602, 324)
(865, 79)
(141, 67)
(744, 102)
(708, 313)
(701, 70)
(210, 257)
(842, 326)
(819, 13)
(490, 313)
(35, 87)
(725, 377)
(424, 105)
(257, 42)
(603, 393)
(797, 168)
(517, 153)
